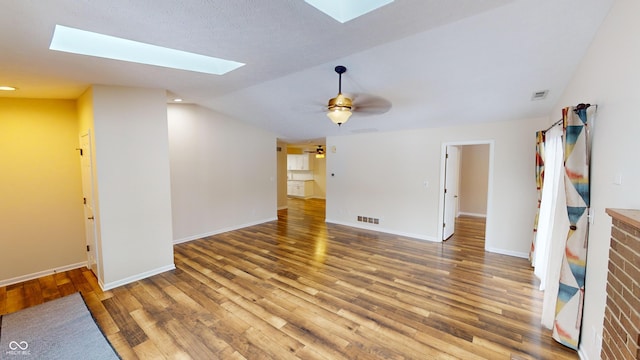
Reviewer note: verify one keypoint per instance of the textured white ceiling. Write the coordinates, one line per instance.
(439, 62)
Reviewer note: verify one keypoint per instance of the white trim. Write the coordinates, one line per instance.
(130, 279)
(472, 214)
(383, 230)
(519, 254)
(39, 274)
(220, 231)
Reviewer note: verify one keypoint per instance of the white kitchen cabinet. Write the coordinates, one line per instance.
(299, 162)
(307, 161)
(292, 188)
(291, 162)
(300, 188)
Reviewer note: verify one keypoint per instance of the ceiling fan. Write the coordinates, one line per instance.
(318, 151)
(341, 107)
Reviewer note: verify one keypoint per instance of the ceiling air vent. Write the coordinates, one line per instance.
(539, 95)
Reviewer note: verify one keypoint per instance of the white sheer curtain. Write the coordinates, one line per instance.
(550, 241)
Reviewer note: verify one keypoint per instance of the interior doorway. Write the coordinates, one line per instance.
(451, 182)
(466, 178)
(88, 201)
(301, 170)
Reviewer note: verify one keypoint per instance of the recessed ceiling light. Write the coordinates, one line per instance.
(345, 10)
(177, 100)
(93, 44)
(7, 88)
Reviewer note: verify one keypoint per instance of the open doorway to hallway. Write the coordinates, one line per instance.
(466, 187)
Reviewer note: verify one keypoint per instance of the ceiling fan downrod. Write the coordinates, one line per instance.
(340, 70)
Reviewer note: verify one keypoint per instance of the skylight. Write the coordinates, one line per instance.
(345, 10)
(93, 44)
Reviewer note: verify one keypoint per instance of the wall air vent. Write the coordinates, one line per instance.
(539, 95)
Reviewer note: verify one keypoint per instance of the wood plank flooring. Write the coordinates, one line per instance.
(299, 288)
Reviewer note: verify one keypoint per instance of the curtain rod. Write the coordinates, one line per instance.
(578, 107)
(554, 124)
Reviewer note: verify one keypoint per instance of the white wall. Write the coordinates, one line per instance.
(223, 173)
(389, 183)
(610, 77)
(132, 167)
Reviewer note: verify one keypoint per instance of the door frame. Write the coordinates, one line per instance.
(443, 159)
(454, 185)
(90, 224)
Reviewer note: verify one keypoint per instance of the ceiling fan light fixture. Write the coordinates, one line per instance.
(339, 115)
(339, 107)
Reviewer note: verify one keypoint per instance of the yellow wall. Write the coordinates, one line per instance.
(282, 174)
(294, 151)
(42, 226)
(320, 177)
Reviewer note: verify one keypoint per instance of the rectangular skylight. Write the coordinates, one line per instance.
(345, 10)
(93, 44)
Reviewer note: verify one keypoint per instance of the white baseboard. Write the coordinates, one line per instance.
(582, 355)
(386, 231)
(472, 214)
(39, 274)
(220, 231)
(508, 252)
(130, 279)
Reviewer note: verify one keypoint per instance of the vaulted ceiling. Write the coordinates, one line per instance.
(439, 62)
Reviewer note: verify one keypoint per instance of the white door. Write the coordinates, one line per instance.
(87, 193)
(451, 174)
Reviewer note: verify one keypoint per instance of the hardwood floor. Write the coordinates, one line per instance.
(299, 288)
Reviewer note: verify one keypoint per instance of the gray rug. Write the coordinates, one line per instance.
(59, 329)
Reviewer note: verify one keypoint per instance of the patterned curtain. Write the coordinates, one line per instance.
(569, 305)
(539, 181)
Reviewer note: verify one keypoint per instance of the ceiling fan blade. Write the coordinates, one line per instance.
(365, 104)
(318, 150)
(309, 108)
